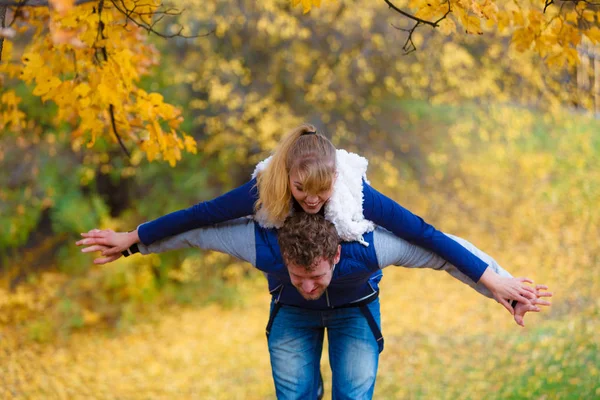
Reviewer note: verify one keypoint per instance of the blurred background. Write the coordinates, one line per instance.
(483, 134)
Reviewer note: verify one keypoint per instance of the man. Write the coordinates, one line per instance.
(316, 285)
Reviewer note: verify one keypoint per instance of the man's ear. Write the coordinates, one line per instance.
(338, 254)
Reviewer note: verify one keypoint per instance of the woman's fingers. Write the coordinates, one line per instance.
(111, 251)
(99, 240)
(526, 293)
(528, 288)
(95, 240)
(98, 233)
(523, 299)
(93, 248)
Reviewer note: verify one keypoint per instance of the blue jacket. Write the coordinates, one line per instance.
(376, 207)
(355, 277)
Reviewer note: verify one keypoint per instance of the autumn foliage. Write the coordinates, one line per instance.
(88, 59)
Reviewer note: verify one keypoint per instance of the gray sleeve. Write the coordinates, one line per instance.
(392, 250)
(235, 237)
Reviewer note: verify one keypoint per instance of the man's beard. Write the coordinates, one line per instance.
(316, 295)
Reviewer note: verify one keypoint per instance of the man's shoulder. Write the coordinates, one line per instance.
(267, 246)
(360, 251)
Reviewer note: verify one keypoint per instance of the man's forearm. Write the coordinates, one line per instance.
(235, 238)
(392, 250)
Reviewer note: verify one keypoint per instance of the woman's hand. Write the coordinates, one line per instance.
(521, 308)
(505, 289)
(98, 247)
(114, 242)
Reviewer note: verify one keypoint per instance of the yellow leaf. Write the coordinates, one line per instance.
(306, 6)
(33, 63)
(190, 144)
(588, 15)
(572, 16)
(518, 18)
(490, 11)
(151, 149)
(46, 85)
(472, 24)
(572, 56)
(476, 9)
(417, 4)
(593, 34)
(426, 13)
(522, 39)
(107, 94)
(82, 90)
(556, 60)
(155, 99)
(503, 22)
(447, 26)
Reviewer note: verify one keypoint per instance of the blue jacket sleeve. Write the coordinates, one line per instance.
(388, 214)
(234, 204)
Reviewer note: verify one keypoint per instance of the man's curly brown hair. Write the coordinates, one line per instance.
(304, 238)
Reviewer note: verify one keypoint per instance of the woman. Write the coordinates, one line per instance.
(307, 174)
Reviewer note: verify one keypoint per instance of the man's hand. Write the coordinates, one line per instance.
(522, 308)
(114, 242)
(506, 289)
(98, 247)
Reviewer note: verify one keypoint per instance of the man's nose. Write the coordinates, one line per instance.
(308, 286)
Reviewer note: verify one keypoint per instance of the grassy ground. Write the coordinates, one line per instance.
(450, 344)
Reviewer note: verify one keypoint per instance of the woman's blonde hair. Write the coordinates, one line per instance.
(303, 150)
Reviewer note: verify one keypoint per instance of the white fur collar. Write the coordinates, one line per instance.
(345, 207)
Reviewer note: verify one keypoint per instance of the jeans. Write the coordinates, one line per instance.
(295, 345)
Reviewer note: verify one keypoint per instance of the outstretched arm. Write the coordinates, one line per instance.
(392, 250)
(235, 238)
(406, 225)
(236, 203)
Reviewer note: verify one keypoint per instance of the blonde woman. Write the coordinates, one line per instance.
(307, 174)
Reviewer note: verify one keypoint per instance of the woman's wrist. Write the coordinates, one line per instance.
(489, 278)
(133, 237)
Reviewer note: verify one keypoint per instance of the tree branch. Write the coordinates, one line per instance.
(409, 45)
(149, 26)
(407, 15)
(113, 121)
(111, 108)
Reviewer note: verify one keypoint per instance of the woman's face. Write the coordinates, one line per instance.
(311, 203)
